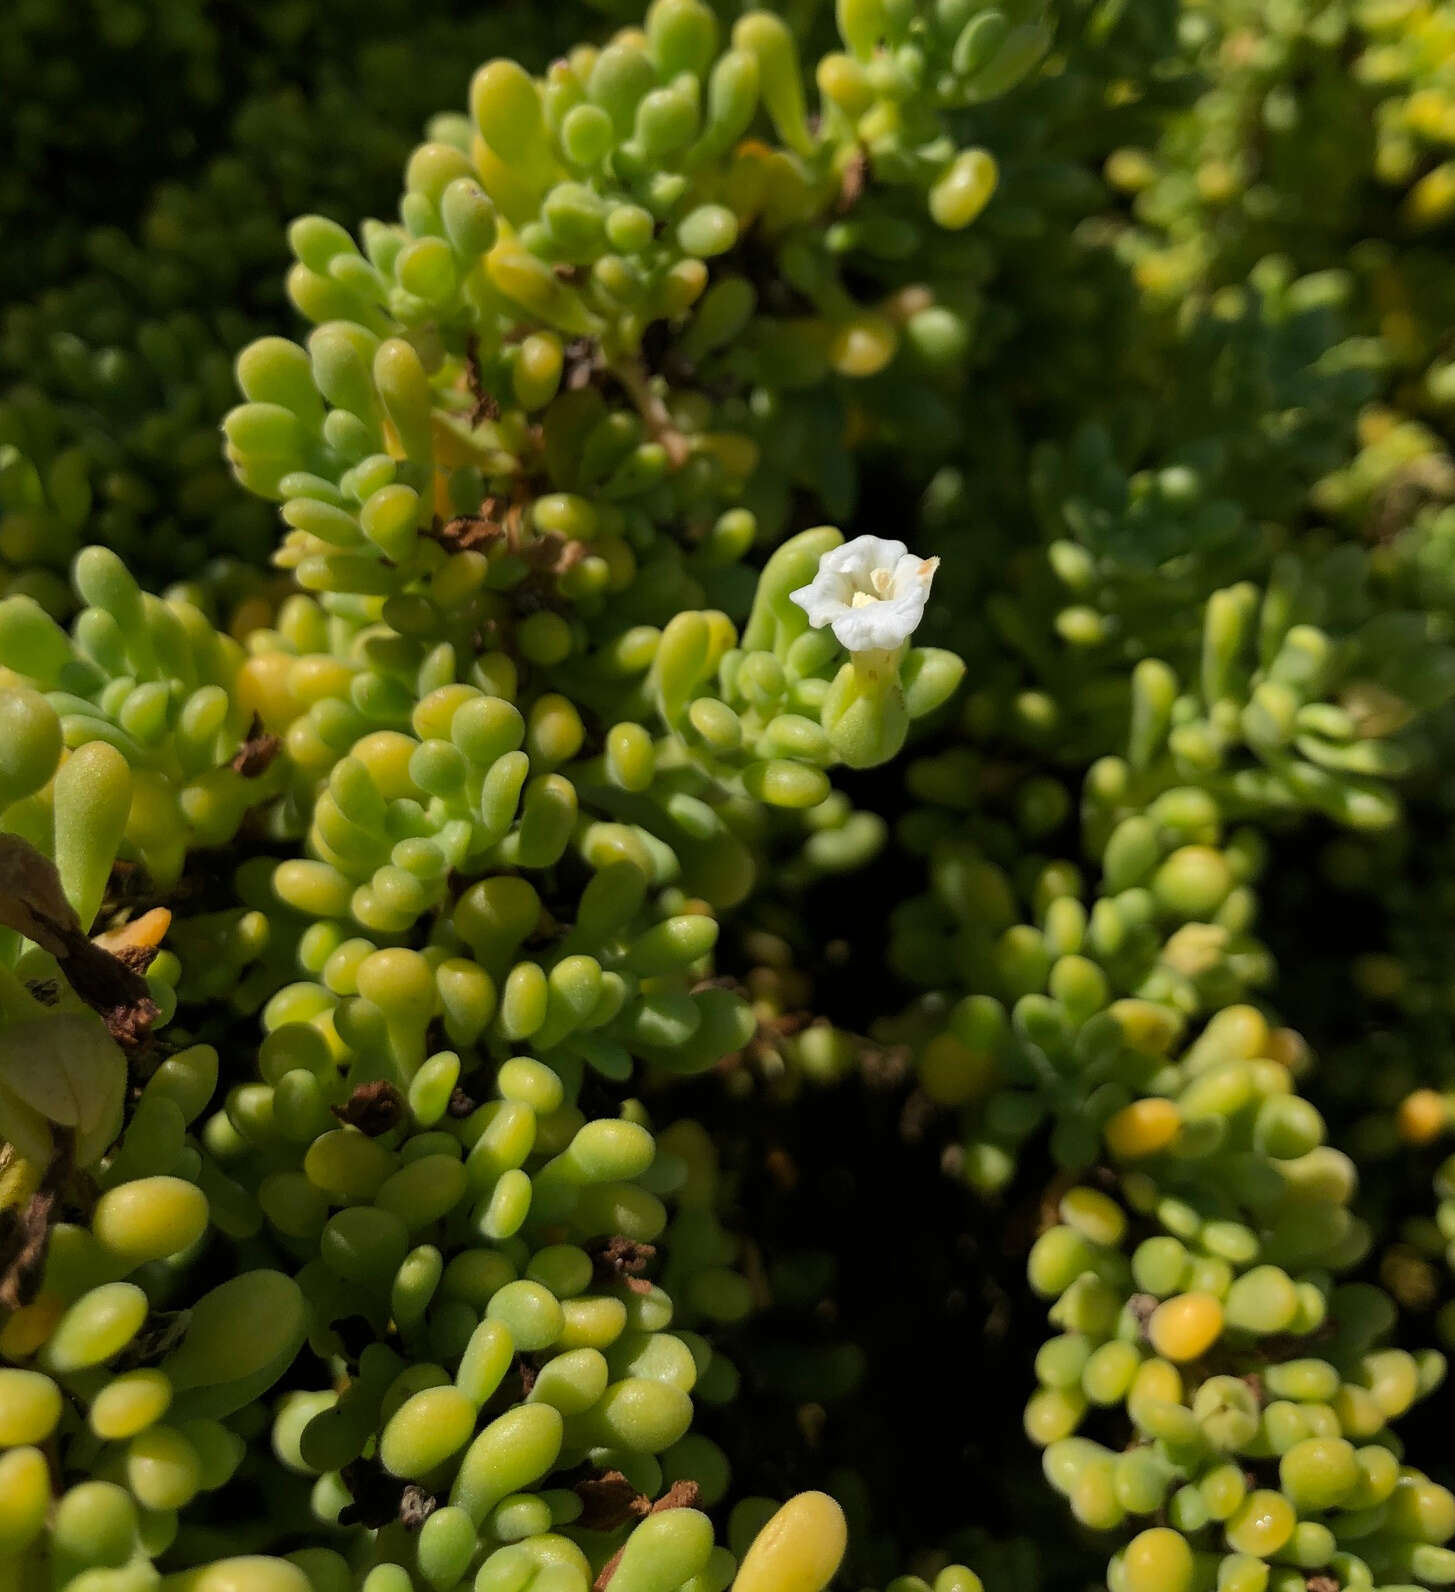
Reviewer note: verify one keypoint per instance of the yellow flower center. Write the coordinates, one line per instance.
(881, 580)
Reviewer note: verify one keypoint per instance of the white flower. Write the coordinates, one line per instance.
(871, 590)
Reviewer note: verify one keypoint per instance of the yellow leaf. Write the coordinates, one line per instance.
(141, 934)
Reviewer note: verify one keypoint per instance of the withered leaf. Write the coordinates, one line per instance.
(256, 752)
(466, 533)
(621, 1259)
(33, 903)
(373, 1108)
(25, 1231)
(24, 1238)
(680, 1495)
(416, 1506)
(608, 1501)
(485, 406)
(854, 180)
(31, 899)
(376, 1494)
(115, 991)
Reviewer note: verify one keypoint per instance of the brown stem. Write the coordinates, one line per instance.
(652, 410)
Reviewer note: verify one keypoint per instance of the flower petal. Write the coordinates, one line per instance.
(821, 603)
(861, 557)
(874, 627)
(867, 616)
